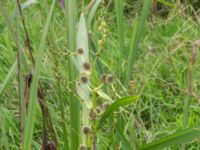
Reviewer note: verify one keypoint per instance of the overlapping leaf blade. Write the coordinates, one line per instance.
(177, 138)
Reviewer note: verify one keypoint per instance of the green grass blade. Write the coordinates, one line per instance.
(13, 35)
(9, 77)
(125, 143)
(73, 101)
(4, 126)
(28, 134)
(115, 106)
(138, 36)
(167, 3)
(92, 13)
(20, 81)
(28, 3)
(135, 27)
(183, 136)
(119, 9)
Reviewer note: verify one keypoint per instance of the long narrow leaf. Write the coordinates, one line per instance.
(28, 135)
(73, 101)
(82, 42)
(92, 13)
(9, 76)
(125, 143)
(115, 106)
(20, 83)
(83, 88)
(138, 36)
(119, 17)
(167, 3)
(183, 136)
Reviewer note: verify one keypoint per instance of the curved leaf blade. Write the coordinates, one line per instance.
(92, 12)
(115, 106)
(9, 77)
(180, 137)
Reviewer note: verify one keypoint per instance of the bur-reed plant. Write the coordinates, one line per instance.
(150, 84)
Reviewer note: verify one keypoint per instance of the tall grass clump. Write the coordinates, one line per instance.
(189, 84)
(137, 38)
(29, 127)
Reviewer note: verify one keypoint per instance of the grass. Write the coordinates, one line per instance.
(142, 83)
(28, 134)
(133, 53)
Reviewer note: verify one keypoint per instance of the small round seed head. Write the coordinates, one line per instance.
(80, 51)
(82, 147)
(105, 105)
(100, 42)
(86, 65)
(100, 28)
(103, 77)
(104, 30)
(84, 79)
(104, 35)
(92, 114)
(98, 110)
(110, 78)
(86, 130)
(103, 24)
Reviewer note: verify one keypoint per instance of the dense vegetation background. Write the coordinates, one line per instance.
(105, 75)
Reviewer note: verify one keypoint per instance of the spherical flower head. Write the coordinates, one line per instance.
(84, 79)
(92, 114)
(103, 77)
(80, 50)
(82, 147)
(86, 129)
(100, 28)
(100, 42)
(103, 24)
(98, 110)
(86, 65)
(110, 78)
